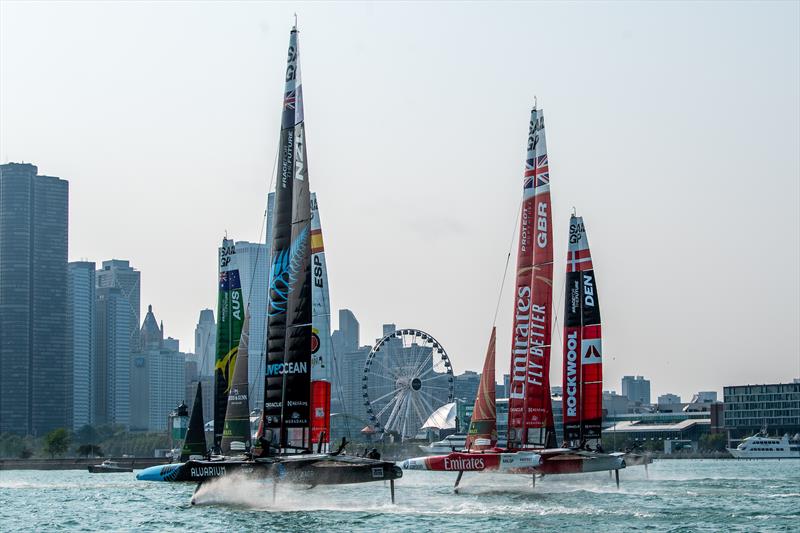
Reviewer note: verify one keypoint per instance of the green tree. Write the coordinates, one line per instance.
(57, 442)
(713, 442)
(25, 453)
(85, 450)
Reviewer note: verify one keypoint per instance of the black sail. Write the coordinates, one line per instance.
(288, 374)
(195, 441)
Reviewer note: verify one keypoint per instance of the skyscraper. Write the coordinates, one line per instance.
(158, 379)
(112, 368)
(35, 369)
(253, 261)
(636, 389)
(81, 298)
(205, 342)
(119, 273)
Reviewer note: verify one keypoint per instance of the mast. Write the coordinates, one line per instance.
(237, 413)
(195, 441)
(288, 378)
(483, 424)
(583, 364)
(530, 414)
(229, 329)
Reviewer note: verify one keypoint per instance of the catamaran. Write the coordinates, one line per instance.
(296, 413)
(531, 427)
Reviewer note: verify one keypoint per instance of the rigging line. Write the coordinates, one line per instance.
(555, 330)
(258, 384)
(508, 260)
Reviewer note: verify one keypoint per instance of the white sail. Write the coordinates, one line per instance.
(321, 350)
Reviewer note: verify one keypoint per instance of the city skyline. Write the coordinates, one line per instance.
(677, 235)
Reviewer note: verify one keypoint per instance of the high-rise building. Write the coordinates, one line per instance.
(253, 261)
(636, 389)
(81, 298)
(119, 274)
(35, 365)
(158, 377)
(205, 342)
(465, 386)
(112, 365)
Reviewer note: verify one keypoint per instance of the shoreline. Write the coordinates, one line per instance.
(78, 463)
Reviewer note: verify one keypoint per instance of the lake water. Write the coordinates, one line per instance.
(678, 495)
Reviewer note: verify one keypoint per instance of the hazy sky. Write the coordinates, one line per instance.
(674, 129)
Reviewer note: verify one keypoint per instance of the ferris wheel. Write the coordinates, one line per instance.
(407, 376)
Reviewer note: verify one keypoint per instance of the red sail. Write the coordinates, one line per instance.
(320, 411)
(583, 366)
(530, 414)
(483, 424)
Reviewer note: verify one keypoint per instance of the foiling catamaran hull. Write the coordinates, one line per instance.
(306, 469)
(489, 461)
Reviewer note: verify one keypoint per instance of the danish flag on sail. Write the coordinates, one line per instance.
(583, 361)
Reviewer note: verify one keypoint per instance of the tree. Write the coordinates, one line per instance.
(57, 442)
(713, 442)
(85, 450)
(25, 453)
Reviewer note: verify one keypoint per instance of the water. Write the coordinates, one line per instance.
(681, 495)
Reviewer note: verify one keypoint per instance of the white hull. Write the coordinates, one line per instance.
(761, 446)
(746, 454)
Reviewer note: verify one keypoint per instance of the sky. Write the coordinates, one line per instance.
(672, 128)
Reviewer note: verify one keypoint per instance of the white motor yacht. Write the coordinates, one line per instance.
(759, 446)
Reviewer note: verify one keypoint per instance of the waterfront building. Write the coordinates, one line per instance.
(205, 342)
(614, 404)
(119, 274)
(748, 408)
(158, 379)
(668, 399)
(465, 386)
(253, 260)
(636, 389)
(81, 298)
(705, 397)
(35, 364)
(112, 364)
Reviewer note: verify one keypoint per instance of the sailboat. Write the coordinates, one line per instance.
(294, 412)
(480, 452)
(531, 427)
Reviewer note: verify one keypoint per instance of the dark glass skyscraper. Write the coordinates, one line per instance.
(35, 365)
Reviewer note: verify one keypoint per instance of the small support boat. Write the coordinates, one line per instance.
(108, 467)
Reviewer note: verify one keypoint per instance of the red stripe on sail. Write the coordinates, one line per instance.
(320, 411)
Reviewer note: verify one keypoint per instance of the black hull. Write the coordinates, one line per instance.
(300, 469)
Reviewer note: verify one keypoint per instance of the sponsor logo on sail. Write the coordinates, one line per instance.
(572, 374)
(278, 369)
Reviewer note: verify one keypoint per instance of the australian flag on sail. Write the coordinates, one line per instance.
(229, 280)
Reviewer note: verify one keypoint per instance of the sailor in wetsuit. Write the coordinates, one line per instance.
(374, 454)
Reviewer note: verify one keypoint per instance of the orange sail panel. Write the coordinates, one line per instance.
(483, 424)
(530, 414)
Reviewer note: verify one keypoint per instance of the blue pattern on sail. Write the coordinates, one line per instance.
(287, 265)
